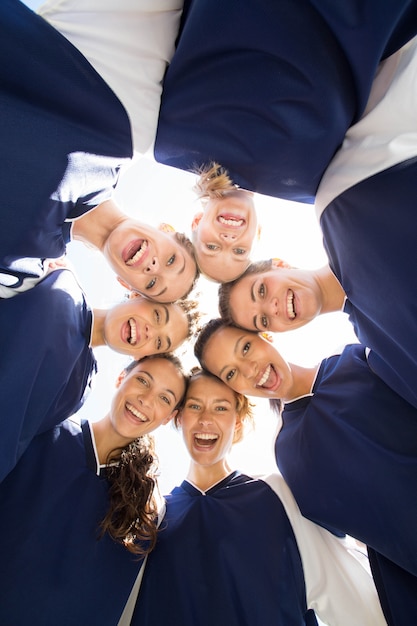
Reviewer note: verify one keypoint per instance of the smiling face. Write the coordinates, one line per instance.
(247, 363)
(150, 261)
(209, 420)
(278, 300)
(140, 327)
(223, 235)
(146, 398)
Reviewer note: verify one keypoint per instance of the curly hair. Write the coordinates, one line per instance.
(213, 182)
(132, 515)
(257, 267)
(131, 472)
(190, 308)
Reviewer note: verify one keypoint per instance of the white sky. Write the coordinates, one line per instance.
(155, 193)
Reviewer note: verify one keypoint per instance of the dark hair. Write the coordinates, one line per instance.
(257, 267)
(131, 472)
(204, 335)
(276, 405)
(185, 242)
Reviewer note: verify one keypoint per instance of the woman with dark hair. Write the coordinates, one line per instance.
(48, 335)
(235, 550)
(65, 136)
(79, 511)
(347, 449)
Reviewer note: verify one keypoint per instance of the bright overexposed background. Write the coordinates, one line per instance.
(155, 193)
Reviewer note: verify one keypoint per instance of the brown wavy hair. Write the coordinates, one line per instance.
(213, 182)
(131, 472)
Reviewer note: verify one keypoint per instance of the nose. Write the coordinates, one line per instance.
(205, 418)
(153, 266)
(149, 331)
(273, 306)
(249, 369)
(228, 237)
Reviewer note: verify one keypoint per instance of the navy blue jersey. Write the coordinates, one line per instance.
(275, 83)
(370, 234)
(46, 364)
(226, 556)
(349, 454)
(55, 568)
(64, 135)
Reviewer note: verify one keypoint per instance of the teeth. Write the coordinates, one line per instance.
(207, 436)
(133, 332)
(139, 254)
(290, 305)
(230, 222)
(265, 376)
(140, 416)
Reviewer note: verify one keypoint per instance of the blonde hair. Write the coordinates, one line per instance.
(213, 182)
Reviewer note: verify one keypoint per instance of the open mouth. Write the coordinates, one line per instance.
(135, 413)
(132, 332)
(205, 440)
(231, 220)
(269, 379)
(135, 252)
(291, 305)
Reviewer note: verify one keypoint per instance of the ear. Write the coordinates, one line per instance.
(123, 283)
(120, 378)
(170, 417)
(166, 228)
(196, 220)
(238, 428)
(258, 232)
(276, 263)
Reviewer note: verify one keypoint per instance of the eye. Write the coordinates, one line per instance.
(239, 250)
(261, 290)
(221, 408)
(165, 399)
(212, 246)
(158, 343)
(171, 260)
(142, 380)
(230, 375)
(246, 347)
(193, 406)
(157, 316)
(151, 284)
(264, 321)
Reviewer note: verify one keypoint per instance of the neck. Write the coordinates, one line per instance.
(303, 378)
(204, 477)
(94, 227)
(97, 333)
(106, 439)
(332, 291)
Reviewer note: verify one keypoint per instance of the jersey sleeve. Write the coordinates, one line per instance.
(339, 588)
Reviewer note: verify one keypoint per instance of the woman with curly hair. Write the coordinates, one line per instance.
(79, 511)
(233, 549)
(347, 448)
(224, 231)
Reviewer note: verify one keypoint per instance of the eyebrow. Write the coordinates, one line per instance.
(234, 352)
(153, 380)
(252, 295)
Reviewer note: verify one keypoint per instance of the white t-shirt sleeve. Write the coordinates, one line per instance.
(339, 588)
(129, 43)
